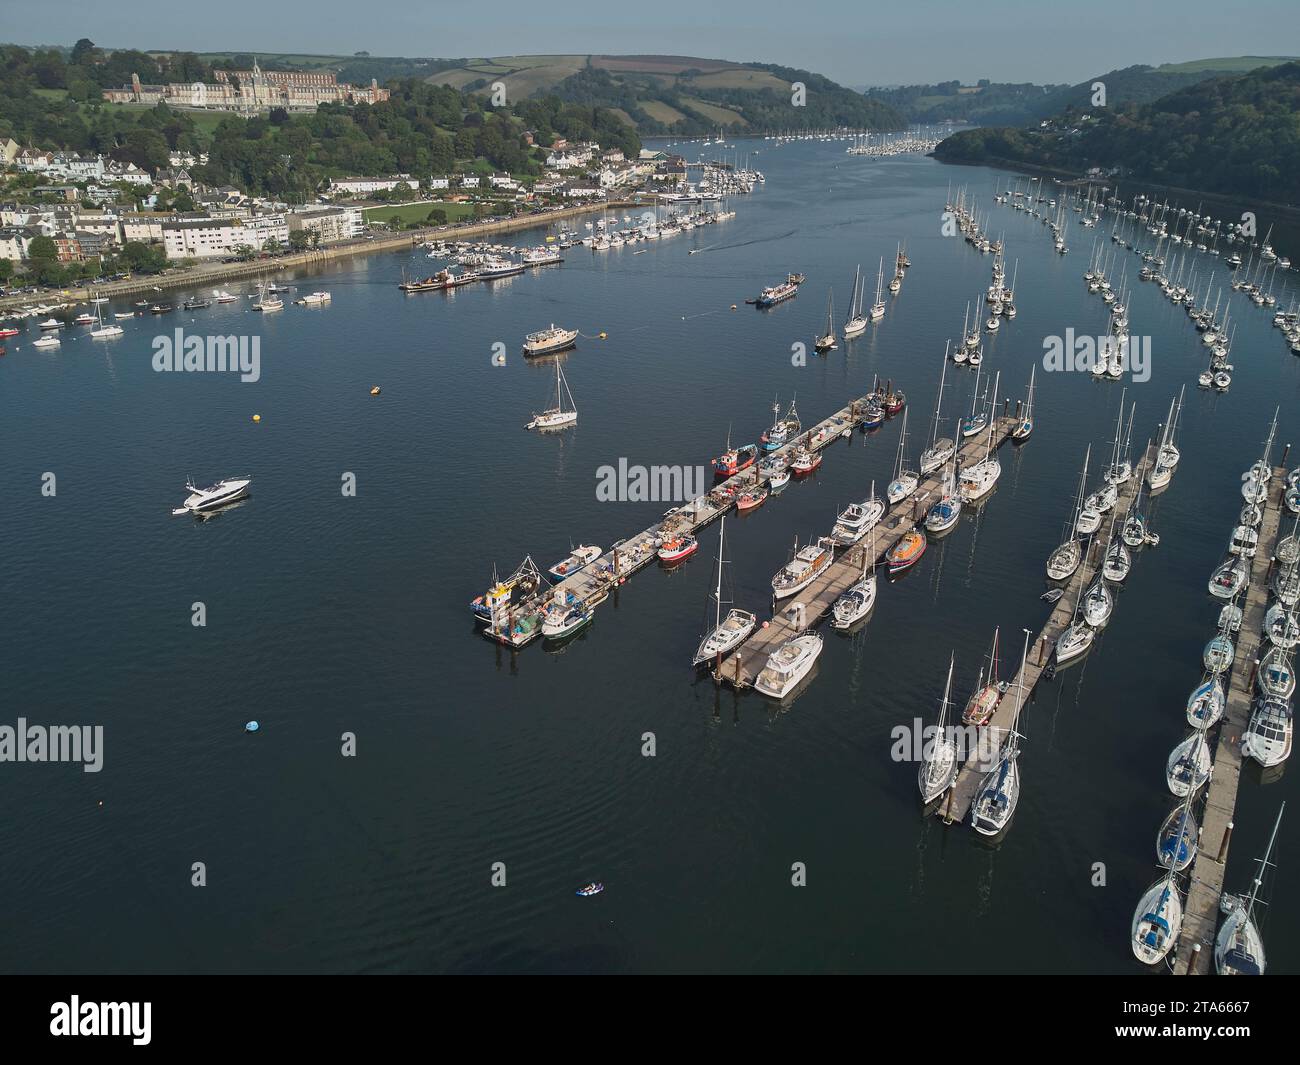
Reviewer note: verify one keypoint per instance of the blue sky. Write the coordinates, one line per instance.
(856, 43)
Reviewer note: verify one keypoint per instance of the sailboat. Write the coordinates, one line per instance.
(938, 767)
(944, 514)
(1188, 766)
(941, 449)
(979, 413)
(1207, 702)
(998, 793)
(856, 603)
(878, 308)
(557, 417)
(1162, 470)
(1157, 920)
(979, 479)
(102, 331)
(1176, 840)
(1026, 424)
(1239, 948)
(905, 480)
(985, 698)
(726, 635)
(1062, 562)
(856, 322)
(827, 340)
(265, 301)
(1077, 637)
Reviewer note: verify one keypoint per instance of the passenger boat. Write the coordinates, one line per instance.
(1239, 948)
(676, 548)
(1206, 703)
(808, 563)
(788, 665)
(775, 294)
(217, 495)
(1188, 766)
(1158, 920)
(938, 768)
(729, 633)
(548, 341)
(577, 560)
(733, 460)
(906, 552)
(558, 416)
(857, 519)
(494, 268)
(1268, 736)
(986, 696)
(782, 429)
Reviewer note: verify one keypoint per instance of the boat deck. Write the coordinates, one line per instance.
(1201, 911)
(818, 598)
(628, 556)
(957, 804)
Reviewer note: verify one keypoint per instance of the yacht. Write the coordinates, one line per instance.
(857, 519)
(314, 299)
(788, 665)
(214, 496)
(1268, 736)
(727, 633)
(547, 341)
(807, 565)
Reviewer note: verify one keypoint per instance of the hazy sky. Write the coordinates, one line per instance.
(855, 42)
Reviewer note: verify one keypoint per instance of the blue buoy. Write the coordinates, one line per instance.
(251, 727)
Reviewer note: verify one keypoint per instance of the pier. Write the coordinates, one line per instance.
(817, 599)
(1194, 954)
(957, 804)
(521, 623)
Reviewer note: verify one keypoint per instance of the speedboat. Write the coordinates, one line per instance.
(579, 559)
(46, 342)
(1268, 736)
(809, 563)
(314, 299)
(214, 496)
(1188, 766)
(1157, 921)
(788, 665)
(590, 889)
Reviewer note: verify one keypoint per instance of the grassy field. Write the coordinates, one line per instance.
(742, 78)
(714, 113)
(418, 212)
(1228, 64)
(661, 112)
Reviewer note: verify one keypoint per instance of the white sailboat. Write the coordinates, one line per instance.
(938, 767)
(856, 603)
(726, 635)
(856, 322)
(905, 480)
(102, 331)
(1239, 948)
(1026, 424)
(1158, 920)
(559, 416)
(878, 308)
(1162, 470)
(941, 449)
(999, 792)
(1062, 562)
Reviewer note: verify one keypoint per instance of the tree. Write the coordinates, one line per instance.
(300, 240)
(271, 245)
(84, 52)
(42, 250)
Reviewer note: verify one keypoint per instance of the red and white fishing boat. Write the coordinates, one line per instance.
(10, 332)
(805, 461)
(733, 460)
(751, 498)
(907, 552)
(676, 548)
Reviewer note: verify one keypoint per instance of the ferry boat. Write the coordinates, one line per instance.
(808, 564)
(788, 665)
(214, 496)
(548, 341)
(733, 460)
(906, 552)
(676, 548)
(578, 559)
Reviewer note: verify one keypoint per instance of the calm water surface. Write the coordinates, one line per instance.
(329, 614)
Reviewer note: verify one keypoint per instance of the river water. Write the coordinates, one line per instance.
(329, 614)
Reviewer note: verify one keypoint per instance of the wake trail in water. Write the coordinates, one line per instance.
(745, 243)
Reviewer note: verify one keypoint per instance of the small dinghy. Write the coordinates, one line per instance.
(594, 888)
(1052, 595)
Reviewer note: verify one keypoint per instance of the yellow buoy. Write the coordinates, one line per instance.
(257, 417)
(602, 335)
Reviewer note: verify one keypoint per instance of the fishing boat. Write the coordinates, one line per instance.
(1239, 948)
(782, 429)
(1176, 840)
(577, 560)
(984, 699)
(201, 500)
(938, 767)
(779, 479)
(856, 322)
(497, 599)
(727, 633)
(1276, 676)
(1188, 766)
(1062, 562)
(550, 340)
(905, 480)
(857, 519)
(558, 416)
(733, 460)
(788, 665)
(676, 548)
(828, 339)
(752, 498)
(809, 563)
(856, 603)
(804, 461)
(906, 552)
(565, 616)
(1206, 703)
(1158, 920)
(940, 449)
(1268, 736)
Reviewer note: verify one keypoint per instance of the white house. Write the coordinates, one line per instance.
(439, 181)
(364, 186)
